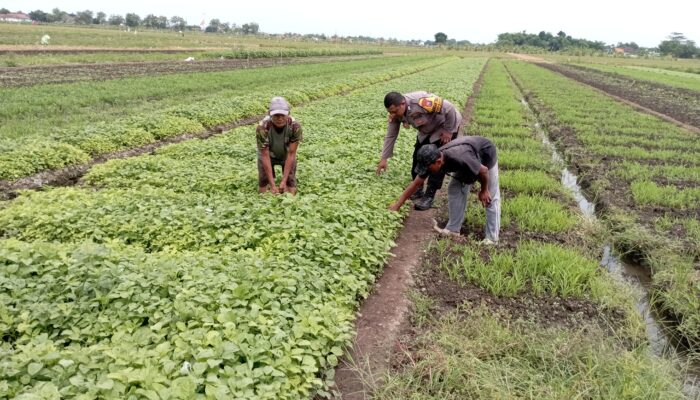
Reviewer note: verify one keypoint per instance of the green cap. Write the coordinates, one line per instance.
(427, 155)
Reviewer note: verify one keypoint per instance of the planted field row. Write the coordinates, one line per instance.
(682, 104)
(534, 316)
(683, 80)
(175, 282)
(634, 166)
(27, 148)
(132, 65)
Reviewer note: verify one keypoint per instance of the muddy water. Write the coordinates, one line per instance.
(635, 275)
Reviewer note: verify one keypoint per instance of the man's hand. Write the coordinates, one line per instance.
(485, 197)
(394, 207)
(381, 167)
(283, 187)
(274, 189)
(445, 137)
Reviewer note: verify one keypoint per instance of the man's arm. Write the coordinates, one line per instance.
(484, 195)
(267, 168)
(412, 188)
(392, 132)
(291, 158)
(451, 124)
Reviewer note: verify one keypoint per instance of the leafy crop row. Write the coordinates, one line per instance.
(23, 156)
(178, 280)
(603, 138)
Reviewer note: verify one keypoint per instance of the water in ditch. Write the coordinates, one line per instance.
(635, 275)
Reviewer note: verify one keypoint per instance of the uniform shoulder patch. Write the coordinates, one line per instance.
(431, 104)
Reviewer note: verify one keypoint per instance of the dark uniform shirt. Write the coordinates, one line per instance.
(464, 156)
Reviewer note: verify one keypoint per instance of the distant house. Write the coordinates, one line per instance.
(15, 17)
(619, 50)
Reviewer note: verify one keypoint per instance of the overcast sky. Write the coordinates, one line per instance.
(609, 21)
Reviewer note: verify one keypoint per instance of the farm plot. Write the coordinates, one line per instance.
(172, 282)
(204, 62)
(534, 316)
(683, 80)
(50, 127)
(679, 102)
(643, 173)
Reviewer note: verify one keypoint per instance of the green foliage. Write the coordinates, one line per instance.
(178, 280)
(480, 356)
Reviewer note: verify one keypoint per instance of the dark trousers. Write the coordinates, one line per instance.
(434, 179)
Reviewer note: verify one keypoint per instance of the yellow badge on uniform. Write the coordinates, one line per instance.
(431, 104)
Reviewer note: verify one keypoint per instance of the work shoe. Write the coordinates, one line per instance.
(442, 231)
(487, 242)
(418, 194)
(424, 204)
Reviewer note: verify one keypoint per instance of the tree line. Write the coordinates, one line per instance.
(133, 20)
(677, 45)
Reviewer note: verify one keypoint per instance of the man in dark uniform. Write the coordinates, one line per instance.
(278, 137)
(467, 159)
(437, 123)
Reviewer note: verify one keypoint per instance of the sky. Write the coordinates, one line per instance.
(610, 21)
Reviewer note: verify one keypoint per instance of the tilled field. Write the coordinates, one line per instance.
(29, 76)
(679, 104)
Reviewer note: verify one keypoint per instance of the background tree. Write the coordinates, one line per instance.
(177, 23)
(83, 17)
(5, 11)
(250, 28)
(37, 15)
(440, 38)
(150, 21)
(678, 46)
(57, 15)
(132, 20)
(214, 26)
(115, 19)
(100, 18)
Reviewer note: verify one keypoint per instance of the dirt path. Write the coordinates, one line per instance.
(384, 313)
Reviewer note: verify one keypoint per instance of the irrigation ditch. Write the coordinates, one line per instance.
(661, 343)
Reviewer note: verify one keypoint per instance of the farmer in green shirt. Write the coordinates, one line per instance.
(278, 137)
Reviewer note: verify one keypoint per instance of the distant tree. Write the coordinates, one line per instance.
(5, 11)
(440, 38)
(83, 17)
(214, 26)
(149, 21)
(115, 19)
(57, 15)
(100, 18)
(678, 46)
(251, 28)
(38, 16)
(132, 20)
(178, 23)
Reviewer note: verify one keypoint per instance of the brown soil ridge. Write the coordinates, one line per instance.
(675, 105)
(69, 73)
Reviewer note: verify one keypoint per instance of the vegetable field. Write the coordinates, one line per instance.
(166, 275)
